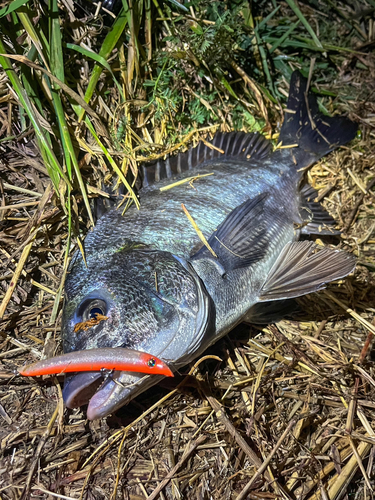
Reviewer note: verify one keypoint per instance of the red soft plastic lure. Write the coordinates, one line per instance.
(110, 358)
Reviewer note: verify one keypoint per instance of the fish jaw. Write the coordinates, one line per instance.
(118, 391)
(105, 397)
(80, 387)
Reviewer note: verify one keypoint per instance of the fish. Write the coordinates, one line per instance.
(108, 358)
(166, 292)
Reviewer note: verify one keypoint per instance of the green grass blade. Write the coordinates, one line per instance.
(300, 42)
(57, 68)
(29, 82)
(227, 85)
(53, 167)
(113, 164)
(107, 47)
(266, 19)
(161, 14)
(282, 39)
(56, 51)
(327, 47)
(16, 4)
(91, 55)
(69, 150)
(99, 59)
(263, 57)
(304, 21)
(76, 97)
(40, 45)
(267, 93)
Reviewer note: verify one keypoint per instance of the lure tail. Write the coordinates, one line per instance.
(316, 134)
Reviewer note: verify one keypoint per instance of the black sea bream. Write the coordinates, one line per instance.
(166, 293)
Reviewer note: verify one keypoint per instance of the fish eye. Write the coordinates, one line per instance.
(94, 311)
(89, 309)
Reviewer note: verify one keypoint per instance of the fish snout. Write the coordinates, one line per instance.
(118, 390)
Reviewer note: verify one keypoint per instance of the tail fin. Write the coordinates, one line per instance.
(316, 134)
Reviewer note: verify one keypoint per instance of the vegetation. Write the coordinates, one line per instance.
(88, 91)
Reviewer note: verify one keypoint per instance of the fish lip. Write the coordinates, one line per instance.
(118, 391)
(80, 387)
(106, 397)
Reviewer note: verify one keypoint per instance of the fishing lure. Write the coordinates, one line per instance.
(110, 358)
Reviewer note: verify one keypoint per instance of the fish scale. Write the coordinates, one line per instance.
(203, 204)
(163, 292)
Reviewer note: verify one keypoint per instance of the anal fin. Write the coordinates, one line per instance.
(303, 268)
(264, 313)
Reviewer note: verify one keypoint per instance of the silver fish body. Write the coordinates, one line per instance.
(163, 291)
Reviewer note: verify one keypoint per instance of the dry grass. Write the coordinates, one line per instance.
(288, 413)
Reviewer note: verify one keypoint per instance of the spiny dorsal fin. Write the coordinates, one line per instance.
(236, 145)
(243, 238)
(303, 268)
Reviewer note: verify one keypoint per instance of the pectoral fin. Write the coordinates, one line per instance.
(303, 268)
(244, 236)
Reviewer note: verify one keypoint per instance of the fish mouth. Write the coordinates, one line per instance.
(105, 397)
(79, 388)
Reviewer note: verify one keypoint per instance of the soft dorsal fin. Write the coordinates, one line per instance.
(244, 236)
(302, 267)
(319, 220)
(235, 145)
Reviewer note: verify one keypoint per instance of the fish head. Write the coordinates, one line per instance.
(147, 300)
